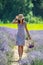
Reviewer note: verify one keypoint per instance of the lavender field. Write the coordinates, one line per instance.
(8, 43)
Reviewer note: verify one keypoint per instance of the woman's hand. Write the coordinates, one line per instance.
(15, 20)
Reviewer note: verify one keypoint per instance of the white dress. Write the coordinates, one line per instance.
(20, 40)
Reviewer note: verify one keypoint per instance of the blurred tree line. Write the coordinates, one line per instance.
(32, 10)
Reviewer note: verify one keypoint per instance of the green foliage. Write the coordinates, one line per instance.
(38, 3)
(33, 19)
(37, 62)
(38, 7)
(32, 9)
(1, 21)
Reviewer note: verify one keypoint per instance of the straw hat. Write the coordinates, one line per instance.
(20, 16)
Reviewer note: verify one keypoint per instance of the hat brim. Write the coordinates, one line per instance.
(21, 18)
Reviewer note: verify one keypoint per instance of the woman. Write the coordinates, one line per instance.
(20, 40)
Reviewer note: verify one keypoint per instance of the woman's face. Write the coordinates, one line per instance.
(20, 20)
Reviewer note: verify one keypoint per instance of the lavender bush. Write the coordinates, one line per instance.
(8, 41)
(6, 45)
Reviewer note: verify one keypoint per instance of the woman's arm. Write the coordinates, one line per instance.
(15, 21)
(27, 31)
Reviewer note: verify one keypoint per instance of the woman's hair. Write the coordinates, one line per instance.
(19, 21)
